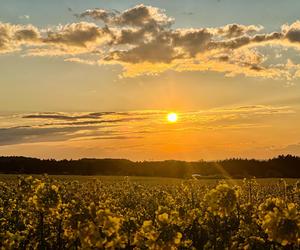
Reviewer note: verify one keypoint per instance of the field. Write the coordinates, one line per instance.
(71, 212)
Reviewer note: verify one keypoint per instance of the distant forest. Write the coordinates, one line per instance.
(282, 166)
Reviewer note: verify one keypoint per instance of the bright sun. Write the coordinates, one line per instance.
(172, 117)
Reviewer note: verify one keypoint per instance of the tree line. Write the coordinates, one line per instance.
(283, 166)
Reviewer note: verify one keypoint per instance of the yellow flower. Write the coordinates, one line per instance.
(177, 238)
(221, 200)
(163, 218)
(280, 222)
(54, 188)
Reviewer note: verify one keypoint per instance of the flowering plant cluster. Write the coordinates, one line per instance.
(60, 213)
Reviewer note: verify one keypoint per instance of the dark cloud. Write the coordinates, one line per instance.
(256, 67)
(97, 14)
(108, 121)
(95, 122)
(18, 135)
(293, 36)
(292, 32)
(237, 30)
(58, 116)
(81, 126)
(192, 41)
(30, 134)
(238, 42)
(130, 36)
(76, 34)
(223, 58)
(26, 35)
(153, 52)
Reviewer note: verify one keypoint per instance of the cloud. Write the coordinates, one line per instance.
(106, 119)
(80, 60)
(74, 38)
(120, 120)
(143, 41)
(161, 48)
(292, 32)
(97, 14)
(18, 135)
(117, 137)
(13, 36)
(293, 149)
(46, 127)
(246, 62)
(138, 16)
(142, 15)
(76, 34)
(238, 115)
(154, 52)
(61, 116)
(24, 17)
(237, 30)
(192, 41)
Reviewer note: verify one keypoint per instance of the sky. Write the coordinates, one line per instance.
(97, 78)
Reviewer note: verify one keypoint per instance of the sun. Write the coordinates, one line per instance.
(172, 117)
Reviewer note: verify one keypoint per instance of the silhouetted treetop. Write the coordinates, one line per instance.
(286, 166)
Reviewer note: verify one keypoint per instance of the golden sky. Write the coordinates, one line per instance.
(98, 78)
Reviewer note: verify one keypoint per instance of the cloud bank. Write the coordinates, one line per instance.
(60, 127)
(142, 39)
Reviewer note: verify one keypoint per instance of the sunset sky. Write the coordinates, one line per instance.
(97, 78)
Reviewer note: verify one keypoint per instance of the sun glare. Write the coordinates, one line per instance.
(172, 117)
